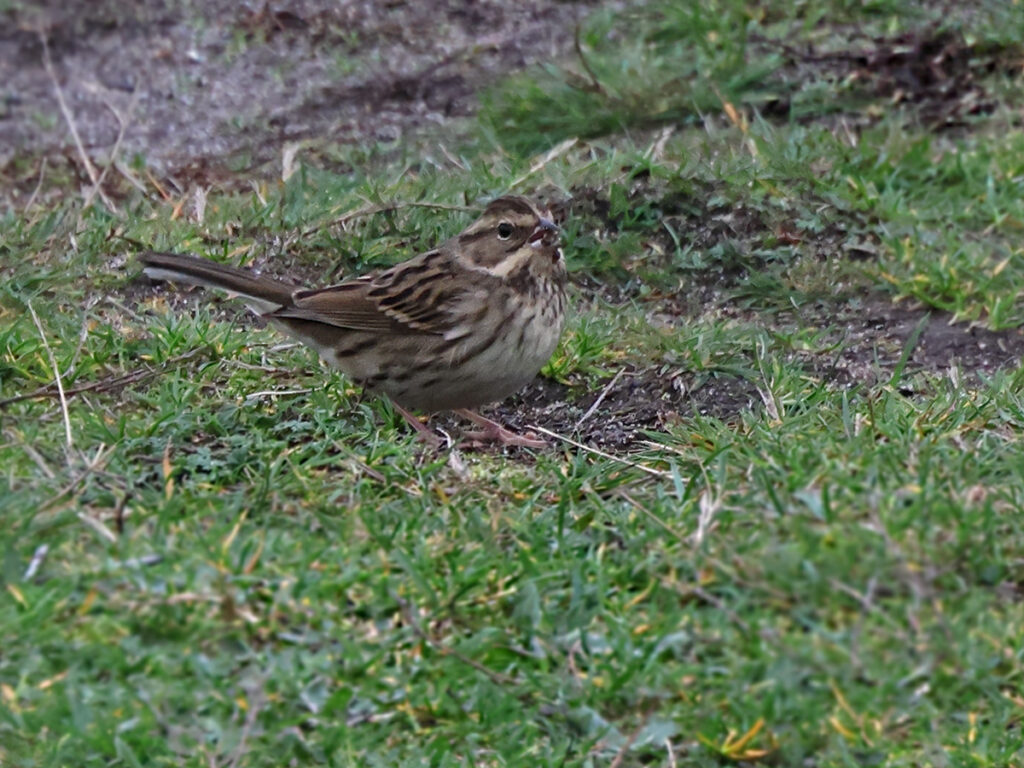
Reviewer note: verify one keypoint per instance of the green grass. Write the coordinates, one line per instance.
(248, 563)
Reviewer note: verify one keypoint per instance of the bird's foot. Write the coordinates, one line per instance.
(491, 432)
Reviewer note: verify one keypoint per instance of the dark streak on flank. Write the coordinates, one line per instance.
(500, 329)
(470, 324)
(521, 339)
(355, 349)
(400, 377)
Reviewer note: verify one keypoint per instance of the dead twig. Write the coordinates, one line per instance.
(600, 398)
(253, 706)
(90, 169)
(707, 597)
(630, 741)
(578, 45)
(708, 506)
(869, 606)
(103, 385)
(655, 150)
(452, 158)
(374, 209)
(410, 617)
(39, 460)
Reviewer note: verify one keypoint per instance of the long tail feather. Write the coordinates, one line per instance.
(262, 294)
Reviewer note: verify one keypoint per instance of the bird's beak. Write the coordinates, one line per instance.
(544, 234)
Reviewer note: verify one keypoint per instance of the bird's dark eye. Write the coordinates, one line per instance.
(505, 230)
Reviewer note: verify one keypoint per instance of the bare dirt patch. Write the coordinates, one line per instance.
(873, 335)
(631, 406)
(215, 92)
(935, 72)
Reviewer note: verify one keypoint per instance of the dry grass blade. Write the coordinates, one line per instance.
(539, 164)
(56, 374)
(602, 454)
(96, 464)
(39, 185)
(122, 128)
(38, 558)
(277, 393)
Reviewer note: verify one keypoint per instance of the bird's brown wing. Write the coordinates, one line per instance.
(421, 295)
(344, 306)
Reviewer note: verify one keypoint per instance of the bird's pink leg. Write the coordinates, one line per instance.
(493, 432)
(422, 429)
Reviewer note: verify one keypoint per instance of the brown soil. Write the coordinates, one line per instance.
(217, 93)
(937, 73)
(873, 335)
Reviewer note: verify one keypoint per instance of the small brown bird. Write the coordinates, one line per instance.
(465, 324)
